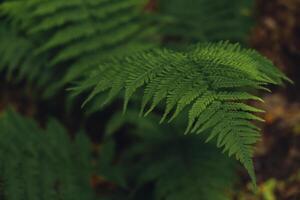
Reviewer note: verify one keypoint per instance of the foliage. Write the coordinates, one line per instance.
(110, 48)
(172, 163)
(213, 80)
(45, 164)
(66, 38)
(14, 52)
(58, 42)
(204, 20)
(176, 166)
(42, 163)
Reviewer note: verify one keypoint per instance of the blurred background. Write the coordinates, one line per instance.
(276, 35)
(270, 26)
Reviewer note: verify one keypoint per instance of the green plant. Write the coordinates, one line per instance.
(211, 80)
(161, 163)
(61, 40)
(46, 164)
(41, 163)
(107, 48)
(192, 21)
(169, 165)
(173, 163)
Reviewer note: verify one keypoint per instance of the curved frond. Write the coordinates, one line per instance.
(211, 81)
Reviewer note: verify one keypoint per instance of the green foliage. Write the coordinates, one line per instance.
(109, 47)
(142, 126)
(15, 56)
(161, 163)
(58, 42)
(211, 80)
(178, 167)
(205, 20)
(40, 163)
(72, 36)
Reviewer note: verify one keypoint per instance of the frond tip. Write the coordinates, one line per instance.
(210, 80)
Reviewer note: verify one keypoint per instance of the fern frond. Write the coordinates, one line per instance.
(211, 80)
(76, 36)
(42, 164)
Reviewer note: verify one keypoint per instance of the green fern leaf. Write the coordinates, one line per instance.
(188, 80)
